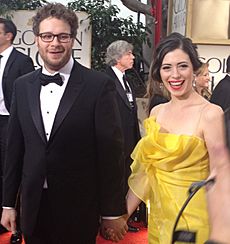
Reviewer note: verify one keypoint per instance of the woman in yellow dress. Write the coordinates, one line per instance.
(183, 142)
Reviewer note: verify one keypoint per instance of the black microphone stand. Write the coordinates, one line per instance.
(187, 236)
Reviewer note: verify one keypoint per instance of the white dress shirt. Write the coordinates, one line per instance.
(119, 75)
(51, 95)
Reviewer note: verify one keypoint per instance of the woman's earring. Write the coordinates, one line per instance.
(161, 85)
(194, 81)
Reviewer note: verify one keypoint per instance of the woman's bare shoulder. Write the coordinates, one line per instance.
(212, 112)
(155, 110)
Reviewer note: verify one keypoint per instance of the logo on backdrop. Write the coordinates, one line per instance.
(216, 56)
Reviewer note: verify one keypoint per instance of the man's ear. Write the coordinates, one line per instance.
(9, 36)
(36, 40)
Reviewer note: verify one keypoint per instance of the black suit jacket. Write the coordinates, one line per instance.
(81, 161)
(17, 65)
(221, 93)
(129, 120)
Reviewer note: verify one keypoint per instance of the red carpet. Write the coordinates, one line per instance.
(130, 238)
(5, 238)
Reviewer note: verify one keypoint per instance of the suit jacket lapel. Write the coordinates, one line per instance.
(7, 67)
(72, 90)
(34, 88)
(119, 87)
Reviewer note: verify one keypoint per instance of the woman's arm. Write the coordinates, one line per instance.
(218, 195)
(132, 203)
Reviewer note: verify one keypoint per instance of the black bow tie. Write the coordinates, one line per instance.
(46, 79)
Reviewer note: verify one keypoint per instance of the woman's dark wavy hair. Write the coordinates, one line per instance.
(166, 45)
(169, 44)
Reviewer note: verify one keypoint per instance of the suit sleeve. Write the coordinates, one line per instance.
(14, 158)
(110, 151)
(220, 96)
(27, 66)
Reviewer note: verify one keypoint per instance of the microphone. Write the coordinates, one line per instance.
(197, 185)
(185, 235)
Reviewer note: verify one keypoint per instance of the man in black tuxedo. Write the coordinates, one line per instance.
(220, 95)
(119, 58)
(65, 144)
(13, 64)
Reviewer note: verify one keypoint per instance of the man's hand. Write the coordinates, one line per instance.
(114, 229)
(9, 219)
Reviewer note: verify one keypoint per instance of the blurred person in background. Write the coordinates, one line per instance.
(119, 59)
(13, 64)
(201, 82)
(221, 93)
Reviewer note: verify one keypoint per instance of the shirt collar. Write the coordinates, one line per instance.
(6, 53)
(65, 70)
(118, 73)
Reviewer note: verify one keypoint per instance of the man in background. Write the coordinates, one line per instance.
(12, 65)
(65, 144)
(221, 93)
(119, 58)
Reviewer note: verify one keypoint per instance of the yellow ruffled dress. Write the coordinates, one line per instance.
(164, 167)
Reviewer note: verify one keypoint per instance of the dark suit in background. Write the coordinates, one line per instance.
(119, 58)
(17, 64)
(155, 100)
(129, 121)
(221, 93)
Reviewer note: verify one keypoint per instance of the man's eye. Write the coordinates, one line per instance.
(63, 37)
(47, 36)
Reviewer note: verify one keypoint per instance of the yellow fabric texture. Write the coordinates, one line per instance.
(164, 166)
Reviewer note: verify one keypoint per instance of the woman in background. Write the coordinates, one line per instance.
(201, 82)
(184, 143)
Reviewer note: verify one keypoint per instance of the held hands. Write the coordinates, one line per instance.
(114, 229)
(9, 219)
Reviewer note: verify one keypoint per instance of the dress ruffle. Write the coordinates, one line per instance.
(164, 166)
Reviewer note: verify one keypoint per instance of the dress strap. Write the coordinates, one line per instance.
(202, 109)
